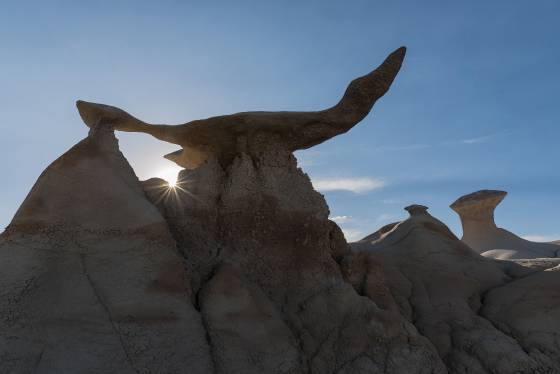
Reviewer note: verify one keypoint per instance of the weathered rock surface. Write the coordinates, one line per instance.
(91, 281)
(271, 242)
(80, 190)
(481, 233)
(529, 311)
(475, 310)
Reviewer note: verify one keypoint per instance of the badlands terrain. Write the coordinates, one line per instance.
(238, 268)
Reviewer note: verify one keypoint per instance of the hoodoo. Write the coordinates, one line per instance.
(237, 268)
(480, 232)
(254, 133)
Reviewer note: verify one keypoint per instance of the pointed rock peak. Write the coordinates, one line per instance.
(90, 187)
(416, 210)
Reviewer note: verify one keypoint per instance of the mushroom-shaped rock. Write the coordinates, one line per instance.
(480, 232)
(256, 133)
(416, 209)
(478, 206)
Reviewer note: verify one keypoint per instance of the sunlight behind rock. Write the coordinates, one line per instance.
(169, 174)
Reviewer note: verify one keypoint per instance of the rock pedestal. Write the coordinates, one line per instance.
(480, 232)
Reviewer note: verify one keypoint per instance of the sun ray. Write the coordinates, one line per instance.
(169, 174)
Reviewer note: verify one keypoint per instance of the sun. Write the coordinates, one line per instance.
(169, 174)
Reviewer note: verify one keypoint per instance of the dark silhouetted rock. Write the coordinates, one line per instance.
(254, 133)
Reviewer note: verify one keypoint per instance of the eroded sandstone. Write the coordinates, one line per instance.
(475, 310)
(91, 280)
(480, 232)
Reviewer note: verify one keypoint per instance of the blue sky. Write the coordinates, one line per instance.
(475, 106)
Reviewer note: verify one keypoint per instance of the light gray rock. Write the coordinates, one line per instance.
(465, 304)
(91, 281)
(480, 232)
(529, 311)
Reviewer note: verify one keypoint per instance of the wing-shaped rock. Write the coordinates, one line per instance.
(255, 133)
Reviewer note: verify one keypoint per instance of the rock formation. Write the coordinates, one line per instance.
(257, 134)
(238, 269)
(481, 233)
(90, 276)
(475, 310)
(252, 226)
(260, 291)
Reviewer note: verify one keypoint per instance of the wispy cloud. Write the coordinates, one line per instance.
(422, 146)
(341, 219)
(397, 148)
(483, 139)
(541, 238)
(355, 185)
(480, 139)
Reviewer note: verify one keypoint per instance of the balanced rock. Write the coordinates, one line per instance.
(261, 289)
(238, 269)
(480, 232)
(255, 133)
(264, 254)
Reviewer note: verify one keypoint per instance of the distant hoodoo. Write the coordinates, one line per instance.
(480, 232)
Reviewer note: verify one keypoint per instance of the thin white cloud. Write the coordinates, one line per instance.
(541, 238)
(396, 148)
(355, 185)
(479, 140)
(341, 219)
(484, 138)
